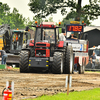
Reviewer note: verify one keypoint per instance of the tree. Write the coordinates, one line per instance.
(72, 15)
(17, 19)
(66, 21)
(14, 19)
(44, 8)
(38, 19)
(4, 9)
(28, 22)
(50, 19)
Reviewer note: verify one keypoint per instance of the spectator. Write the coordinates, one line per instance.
(62, 36)
(4, 56)
(72, 36)
(92, 60)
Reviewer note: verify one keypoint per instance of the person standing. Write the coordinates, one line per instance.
(62, 36)
(92, 59)
(4, 56)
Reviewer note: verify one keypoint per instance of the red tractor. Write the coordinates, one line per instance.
(46, 52)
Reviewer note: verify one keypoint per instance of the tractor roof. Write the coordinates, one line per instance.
(47, 24)
(19, 31)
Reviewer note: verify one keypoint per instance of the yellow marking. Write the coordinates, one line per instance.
(74, 22)
(85, 46)
(9, 98)
(29, 64)
(47, 61)
(10, 95)
(29, 60)
(47, 65)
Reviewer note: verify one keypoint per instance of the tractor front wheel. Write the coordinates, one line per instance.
(57, 66)
(24, 61)
(69, 64)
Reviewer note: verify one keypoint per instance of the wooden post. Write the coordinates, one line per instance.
(68, 84)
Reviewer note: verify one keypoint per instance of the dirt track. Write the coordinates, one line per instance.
(35, 84)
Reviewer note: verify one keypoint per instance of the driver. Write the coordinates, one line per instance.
(72, 36)
(62, 36)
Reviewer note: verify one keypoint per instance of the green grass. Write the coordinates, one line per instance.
(16, 68)
(93, 71)
(83, 95)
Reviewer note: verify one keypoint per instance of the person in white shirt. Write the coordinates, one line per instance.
(62, 36)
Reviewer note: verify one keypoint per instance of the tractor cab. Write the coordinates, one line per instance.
(47, 35)
(47, 32)
(46, 39)
(74, 29)
(18, 40)
(73, 33)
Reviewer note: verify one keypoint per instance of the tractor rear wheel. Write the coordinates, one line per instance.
(69, 64)
(57, 66)
(24, 61)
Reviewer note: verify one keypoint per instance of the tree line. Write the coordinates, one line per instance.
(43, 8)
(15, 19)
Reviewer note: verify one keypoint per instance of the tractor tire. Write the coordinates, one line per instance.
(24, 61)
(69, 64)
(32, 52)
(57, 65)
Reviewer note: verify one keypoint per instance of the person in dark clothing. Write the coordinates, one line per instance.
(4, 56)
(72, 36)
(92, 58)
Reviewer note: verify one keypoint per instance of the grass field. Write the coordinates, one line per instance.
(83, 95)
(93, 71)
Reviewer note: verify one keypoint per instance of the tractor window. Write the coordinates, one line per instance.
(16, 41)
(26, 35)
(47, 35)
(57, 34)
(29, 36)
(38, 35)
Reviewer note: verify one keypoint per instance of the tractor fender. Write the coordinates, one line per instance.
(61, 44)
(26, 49)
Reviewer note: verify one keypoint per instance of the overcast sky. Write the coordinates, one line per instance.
(23, 8)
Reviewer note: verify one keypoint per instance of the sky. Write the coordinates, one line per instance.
(23, 8)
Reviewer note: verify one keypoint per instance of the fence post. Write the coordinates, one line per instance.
(68, 84)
